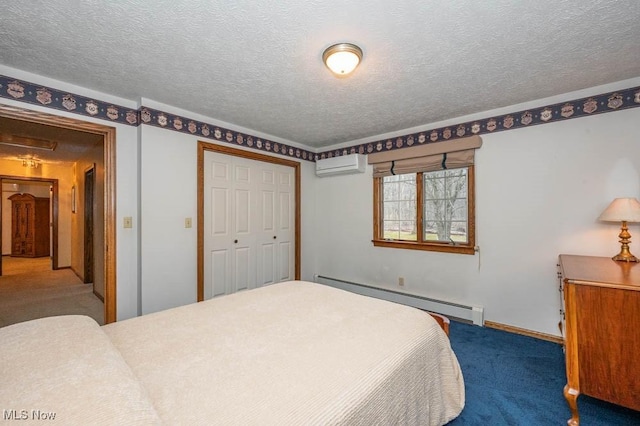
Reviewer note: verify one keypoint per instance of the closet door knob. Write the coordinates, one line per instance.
(235, 241)
(274, 237)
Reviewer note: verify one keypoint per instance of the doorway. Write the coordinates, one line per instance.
(107, 135)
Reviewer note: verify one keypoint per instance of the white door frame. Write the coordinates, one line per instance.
(205, 146)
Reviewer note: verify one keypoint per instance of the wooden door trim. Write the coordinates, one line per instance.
(205, 146)
(109, 153)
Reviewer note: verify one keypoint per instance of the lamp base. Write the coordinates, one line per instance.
(625, 258)
(625, 238)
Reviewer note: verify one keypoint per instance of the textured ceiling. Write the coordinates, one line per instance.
(258, 65)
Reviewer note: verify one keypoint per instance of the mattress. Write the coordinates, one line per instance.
(293, 353)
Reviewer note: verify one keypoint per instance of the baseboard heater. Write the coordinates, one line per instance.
(472, 314)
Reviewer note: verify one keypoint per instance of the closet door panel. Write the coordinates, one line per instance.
(248, 215)
(285, 227)
(219, 208)
(220, 278)
(242, 264)
(285, 267)
(267, 259)
(218, 227)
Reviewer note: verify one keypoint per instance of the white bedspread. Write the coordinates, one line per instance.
(293, 353)
(64, 370)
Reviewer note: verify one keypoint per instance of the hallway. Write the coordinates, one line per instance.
(29, 289)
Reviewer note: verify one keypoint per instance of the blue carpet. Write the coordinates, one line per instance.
(518, 380)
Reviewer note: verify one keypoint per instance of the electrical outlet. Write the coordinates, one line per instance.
(187, 222)
(401, 281)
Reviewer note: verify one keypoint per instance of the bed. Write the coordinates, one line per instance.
(291, 353)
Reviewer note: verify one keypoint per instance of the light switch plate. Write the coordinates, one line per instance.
(128, 222)
(187, 222)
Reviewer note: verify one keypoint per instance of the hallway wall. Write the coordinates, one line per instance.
(96, 156)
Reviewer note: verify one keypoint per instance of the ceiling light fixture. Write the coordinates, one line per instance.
(30, 161)
(342, 58)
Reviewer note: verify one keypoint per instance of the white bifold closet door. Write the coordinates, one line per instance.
(249, 232)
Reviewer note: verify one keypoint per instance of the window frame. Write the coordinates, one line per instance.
(461, 248)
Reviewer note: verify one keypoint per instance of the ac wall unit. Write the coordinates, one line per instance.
(342, 165)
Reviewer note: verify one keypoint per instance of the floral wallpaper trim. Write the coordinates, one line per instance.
(19, 90)
(23, 91)
(181, 124)
(599, 104)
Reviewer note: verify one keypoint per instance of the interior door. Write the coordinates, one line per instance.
(89, 183)
(229, 246)
(275, 224)
(248, 231)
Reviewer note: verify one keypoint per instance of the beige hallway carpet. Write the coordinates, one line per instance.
(29, 289)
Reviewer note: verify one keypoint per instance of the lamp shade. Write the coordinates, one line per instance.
(342, 58)
(622, 209)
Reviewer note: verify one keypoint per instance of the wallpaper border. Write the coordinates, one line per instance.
(23, 91)
(562, 111)
(165, 120)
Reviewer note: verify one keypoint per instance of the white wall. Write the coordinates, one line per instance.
(168, 195)
(539, 192)
(93, 158)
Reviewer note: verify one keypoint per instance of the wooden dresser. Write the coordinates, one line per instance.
(602, 330)
(30, 233)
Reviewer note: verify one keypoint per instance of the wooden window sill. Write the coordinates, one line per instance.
(409, 245)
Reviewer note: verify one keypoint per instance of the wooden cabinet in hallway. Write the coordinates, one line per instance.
(29, 226)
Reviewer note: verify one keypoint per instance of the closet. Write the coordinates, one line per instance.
(249, 230)
(30, 235)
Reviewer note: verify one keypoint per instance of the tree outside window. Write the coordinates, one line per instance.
(445, 206)
(400, 202)
(426, 211)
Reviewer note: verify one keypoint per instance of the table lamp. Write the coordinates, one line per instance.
(623, 210)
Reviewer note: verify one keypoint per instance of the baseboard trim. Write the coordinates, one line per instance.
(80, 277)
(98, 295)
(525, 332)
